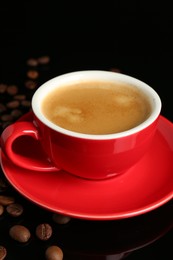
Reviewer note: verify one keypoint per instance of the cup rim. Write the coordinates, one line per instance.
(95, 74)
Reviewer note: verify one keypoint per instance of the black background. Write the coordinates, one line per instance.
(133, 36)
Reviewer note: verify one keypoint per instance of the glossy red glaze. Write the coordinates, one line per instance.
(95, 159)
(144, 187)
(86, 158)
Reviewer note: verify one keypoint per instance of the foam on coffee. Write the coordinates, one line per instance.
(96, 107)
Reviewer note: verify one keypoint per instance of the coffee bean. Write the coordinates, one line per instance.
(6, 200)
(15, 209)
(13, 104)
(20, 233)
(43, 60)
(30, 84)
(54, 253)
(19, 97)
(6, 117)
(12, 90)
(1, 211)
(16, 113)
(26, 103)
(3, 252)
(44, 231)
(3, 88)
(14, 101)
(60, 219)
(32, 62)
(32, 74)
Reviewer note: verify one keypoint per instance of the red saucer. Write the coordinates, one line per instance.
(143, 188)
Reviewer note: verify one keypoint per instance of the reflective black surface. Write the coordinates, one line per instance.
(134, 38)
(147, 235)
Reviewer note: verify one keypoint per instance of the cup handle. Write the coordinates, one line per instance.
(9, 138)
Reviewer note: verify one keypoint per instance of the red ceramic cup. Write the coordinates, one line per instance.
(88, 156)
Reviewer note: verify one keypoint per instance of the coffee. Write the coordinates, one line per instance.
(96, 107)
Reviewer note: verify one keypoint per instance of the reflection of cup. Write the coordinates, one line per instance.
(89, 139)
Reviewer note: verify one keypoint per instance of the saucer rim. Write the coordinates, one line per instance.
(121, 215)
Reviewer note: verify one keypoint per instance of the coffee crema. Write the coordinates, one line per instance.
(96, 107)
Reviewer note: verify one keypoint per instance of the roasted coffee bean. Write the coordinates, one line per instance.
(30, 84)
(12, 90)
(20, 233)
(13, 104)
(19, 97)
(60, 219)
(3, 252)
(44, 231)
(26, 103)
(43, 60)
(3, 88)
(1, 211)
(32, 62)
(6, 200)
(54, 253)
(6, 117)
(32, 74)
(16, 113)
(15, 209)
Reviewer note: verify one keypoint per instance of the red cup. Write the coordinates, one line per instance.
(91, 156)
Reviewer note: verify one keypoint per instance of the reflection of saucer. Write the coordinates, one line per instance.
(117, 237)
(141, 189)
